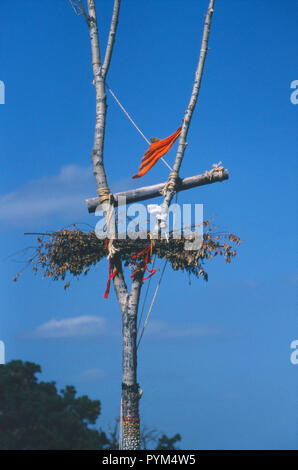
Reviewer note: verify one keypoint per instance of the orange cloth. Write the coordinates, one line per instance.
(155, 152)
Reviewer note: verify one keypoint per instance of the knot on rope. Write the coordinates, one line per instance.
(104, 195)
(171, 184)
(112, 250)
(217, 168)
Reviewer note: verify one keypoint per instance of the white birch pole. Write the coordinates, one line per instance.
(101, 107)
(130, 388)
(170, 187)
(99, 73)
(128, 302)
(111, 39)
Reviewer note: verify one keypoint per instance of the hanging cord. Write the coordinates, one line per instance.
(152, 303)
(145, 298)
(134, 124)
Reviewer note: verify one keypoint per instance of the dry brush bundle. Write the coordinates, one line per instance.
(74, 251)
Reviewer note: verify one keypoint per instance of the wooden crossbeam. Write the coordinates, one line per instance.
(148, 192)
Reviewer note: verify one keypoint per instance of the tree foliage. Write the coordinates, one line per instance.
(35, 416)
(167, 443)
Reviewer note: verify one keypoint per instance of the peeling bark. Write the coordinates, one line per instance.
(130, 388)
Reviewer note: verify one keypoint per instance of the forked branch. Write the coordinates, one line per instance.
(111, 40)
(99, 74)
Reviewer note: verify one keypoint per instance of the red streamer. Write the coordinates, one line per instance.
(111, 275)
(145, 252)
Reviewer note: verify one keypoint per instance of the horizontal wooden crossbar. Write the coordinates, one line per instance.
(148, 192)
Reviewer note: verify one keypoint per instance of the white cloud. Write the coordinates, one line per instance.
(162, 329)
(62, 193)
(85, 325)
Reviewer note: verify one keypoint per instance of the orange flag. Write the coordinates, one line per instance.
(157, 149)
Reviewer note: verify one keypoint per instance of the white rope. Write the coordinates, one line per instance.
(134, 124)
(153, 300)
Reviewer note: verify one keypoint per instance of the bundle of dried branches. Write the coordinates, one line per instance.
(75, 251)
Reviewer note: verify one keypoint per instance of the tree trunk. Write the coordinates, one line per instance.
(128, 302)
(130, 388)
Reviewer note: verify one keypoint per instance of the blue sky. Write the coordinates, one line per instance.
(214, 362)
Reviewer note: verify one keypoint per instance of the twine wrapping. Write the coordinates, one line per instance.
(104, 195)
(216, 169)
(171, 184)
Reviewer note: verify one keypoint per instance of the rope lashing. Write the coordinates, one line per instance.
(111, 249)
(217, 168)
(146, 252)
(104, 195)
(171, 184)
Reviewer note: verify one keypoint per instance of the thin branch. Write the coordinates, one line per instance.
(96, 61)
(84, 12)
(101, 107)
(37, 233)
(192, 103)
(111, 40)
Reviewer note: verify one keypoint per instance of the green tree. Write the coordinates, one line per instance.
(167, 443)
(33, 415)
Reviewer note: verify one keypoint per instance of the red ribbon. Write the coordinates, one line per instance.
(145, 252)
(111, 275)
(135, 257)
